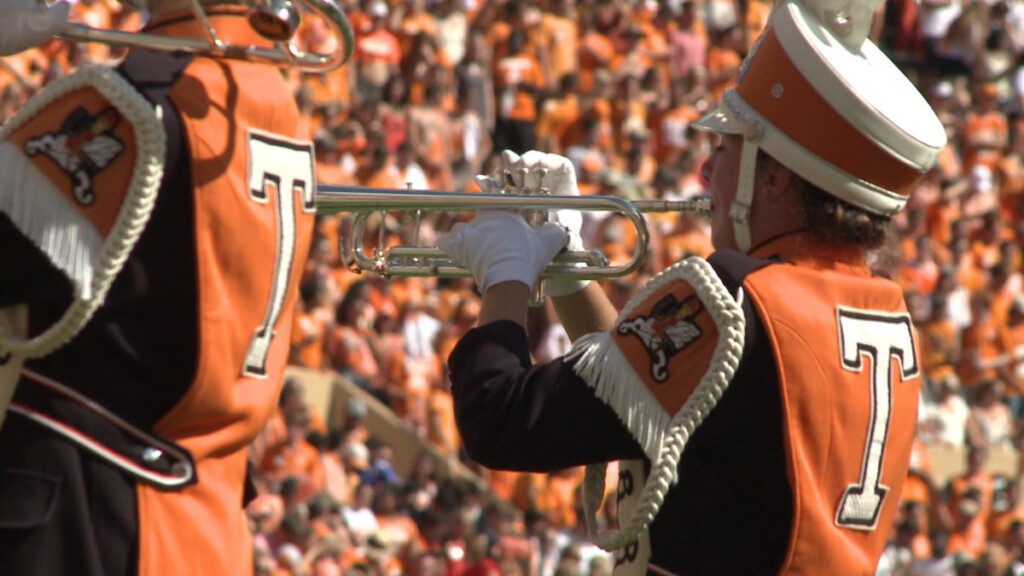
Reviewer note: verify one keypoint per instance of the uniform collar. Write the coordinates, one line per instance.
(805, 249)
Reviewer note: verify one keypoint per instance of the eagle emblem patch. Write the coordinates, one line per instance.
(669, 329)
(83, 146)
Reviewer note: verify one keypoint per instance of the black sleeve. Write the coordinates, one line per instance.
(26, 275)
(516, 416)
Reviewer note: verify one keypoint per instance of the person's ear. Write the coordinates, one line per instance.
(775, 179)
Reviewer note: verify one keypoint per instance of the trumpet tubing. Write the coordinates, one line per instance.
(277, 20)
(424, 261)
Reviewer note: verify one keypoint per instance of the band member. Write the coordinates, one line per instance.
(763, 399)
(152, 222)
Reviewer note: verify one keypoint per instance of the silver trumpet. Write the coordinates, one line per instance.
(276, 20)
(431, 261)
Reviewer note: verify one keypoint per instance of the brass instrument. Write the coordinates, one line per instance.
(276, 20)
(431, 261)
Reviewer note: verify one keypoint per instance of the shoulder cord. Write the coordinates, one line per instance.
(133, 215)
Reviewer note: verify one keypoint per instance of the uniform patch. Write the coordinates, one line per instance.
(84, 146)
(670, 328)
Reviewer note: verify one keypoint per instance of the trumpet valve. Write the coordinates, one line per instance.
(275, 20)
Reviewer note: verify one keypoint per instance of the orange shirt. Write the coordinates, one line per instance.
(301, 460)
(384, 178)
(556, 496)
(503, 483)
(721, 59)
(329, 87)
(414, 24)
(442, 432)
(596, 51)
(378, 46)
(671, 131)
(560, 36)
(970, 541)
(999, 525)
(980, 129)
(980, 481)
(1011, 342)
(347, 347)
(516, 102)
(980, 345)
(937, 339)
(941, 216)
(556, 120)
(309, 329)
(756, 20)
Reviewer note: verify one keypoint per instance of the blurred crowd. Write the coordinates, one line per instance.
(435, 90)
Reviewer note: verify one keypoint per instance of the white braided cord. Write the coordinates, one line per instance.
(664, 448)
(135, 211)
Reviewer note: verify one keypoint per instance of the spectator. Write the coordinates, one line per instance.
(472, 142)
(986, 130)
(358, 515)
(1012, 344)
(944, 413)
(377, 54)
(313, 321)
(381, 469)
(559, 33)
(981, 355)
(991, 417)
(473, 76)
(295, 457)
(397, 528)
(350, 344)
(430, 132)
(723, 61)
(517, 80)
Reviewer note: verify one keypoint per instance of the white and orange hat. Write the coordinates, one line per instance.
(822, 99)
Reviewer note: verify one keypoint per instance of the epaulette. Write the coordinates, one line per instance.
(659, 394)
(82, 163)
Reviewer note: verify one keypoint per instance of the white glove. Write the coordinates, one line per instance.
(535, 169)
(26, 24)
(499, 246)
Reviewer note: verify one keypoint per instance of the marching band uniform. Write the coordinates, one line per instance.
(764, 400)
(125, 450)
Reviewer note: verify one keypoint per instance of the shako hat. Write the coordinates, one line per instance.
(822, 99)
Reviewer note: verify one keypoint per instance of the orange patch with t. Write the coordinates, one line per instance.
(86, 148)
(669, 340)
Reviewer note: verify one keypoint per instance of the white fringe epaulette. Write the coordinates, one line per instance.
(60, 231)
(600, 362)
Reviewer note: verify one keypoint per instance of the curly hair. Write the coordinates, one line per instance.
(840, 222)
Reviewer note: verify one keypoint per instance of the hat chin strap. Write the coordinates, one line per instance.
(739, 212)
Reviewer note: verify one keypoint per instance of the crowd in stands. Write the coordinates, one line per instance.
(435, 90)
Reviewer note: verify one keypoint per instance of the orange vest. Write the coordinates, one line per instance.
(254, 187)
(850, 377)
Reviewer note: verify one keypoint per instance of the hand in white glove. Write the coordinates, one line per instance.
(26, 24)
(535, 169)
(499, 246)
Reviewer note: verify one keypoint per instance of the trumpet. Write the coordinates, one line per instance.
(431, 261)
(276, 20)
